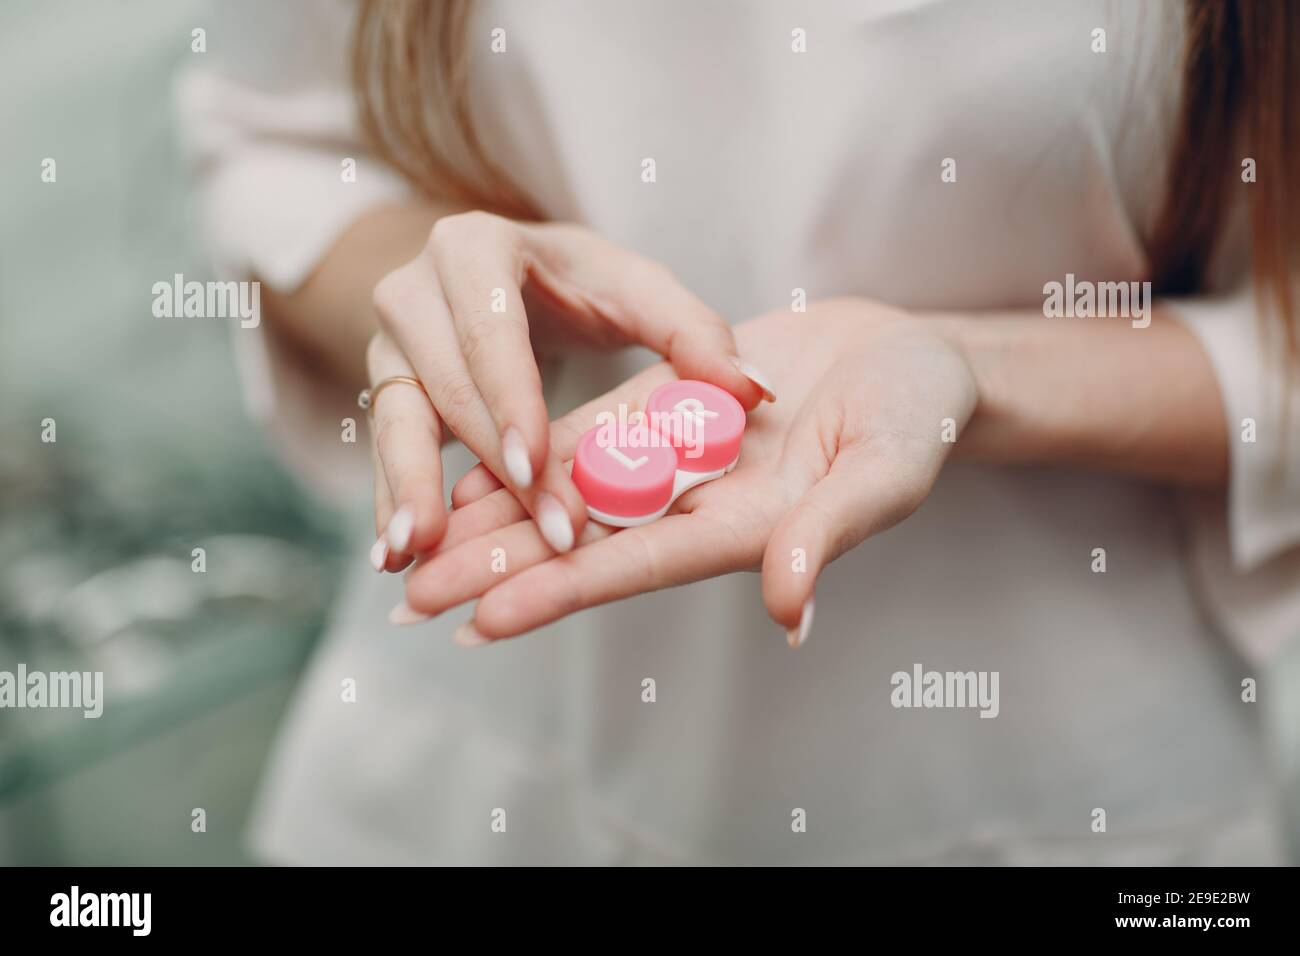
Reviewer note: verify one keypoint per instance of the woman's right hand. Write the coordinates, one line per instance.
(464, 318)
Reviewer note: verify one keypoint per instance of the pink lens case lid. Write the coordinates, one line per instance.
(690, 434)
(703, 422)
(627, 480)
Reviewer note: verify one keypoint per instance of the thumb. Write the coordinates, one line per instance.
(646, 304)
(657, 311)
(856, 499)
(699, 344)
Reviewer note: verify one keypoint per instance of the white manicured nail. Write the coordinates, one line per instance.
(554, 521)
(379, 554)
(755, 376)
(797, 635)
(399, 528)
(515, 453)
(405, 614)
(467, 635)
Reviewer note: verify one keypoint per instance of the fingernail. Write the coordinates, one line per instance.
(515, 453)
(467, 635)
(755, 376)
(379, 553)
(400, 527)
(405, 614)
(797, 635)
(554, 521)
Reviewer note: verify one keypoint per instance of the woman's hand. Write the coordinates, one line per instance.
(464, 318)
(853, 447)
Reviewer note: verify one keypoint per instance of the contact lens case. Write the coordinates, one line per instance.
(630, 468)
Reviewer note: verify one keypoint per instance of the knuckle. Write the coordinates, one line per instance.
(466, 227)
(505, 508)
(457, 394)
(444, 231)
(639, 555)
(480, 338)
(714, 325)
(568, 593)
(390, 296)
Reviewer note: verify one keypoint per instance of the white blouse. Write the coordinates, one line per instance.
(777, 170)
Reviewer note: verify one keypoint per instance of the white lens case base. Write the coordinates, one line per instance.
(683, 482)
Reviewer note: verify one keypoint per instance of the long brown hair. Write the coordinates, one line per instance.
(1240, 98)
(410, 68)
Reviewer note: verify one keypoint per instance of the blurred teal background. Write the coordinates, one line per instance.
(154, 457)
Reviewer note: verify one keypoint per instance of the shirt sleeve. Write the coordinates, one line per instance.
(269, 130)
(1245, 543)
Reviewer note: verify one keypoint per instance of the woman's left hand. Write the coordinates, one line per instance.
(869, 400)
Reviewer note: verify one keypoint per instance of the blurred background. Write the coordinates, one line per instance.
(154, 457)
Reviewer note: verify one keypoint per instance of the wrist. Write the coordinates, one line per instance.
(1093, 394)
(994, 430)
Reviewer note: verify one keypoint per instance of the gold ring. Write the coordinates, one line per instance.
(367, 396)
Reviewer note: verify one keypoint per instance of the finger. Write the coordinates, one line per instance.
(860, 496)
(407, 441)
(410, 301)
(632, 394)
(560, 512)
(648, 305)
(462, 572)
(379, 552)
(492, 512)
(412, 310)
(478, 260)
(662, 554)
(500, 508)
(409, 452)
(473, 485)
